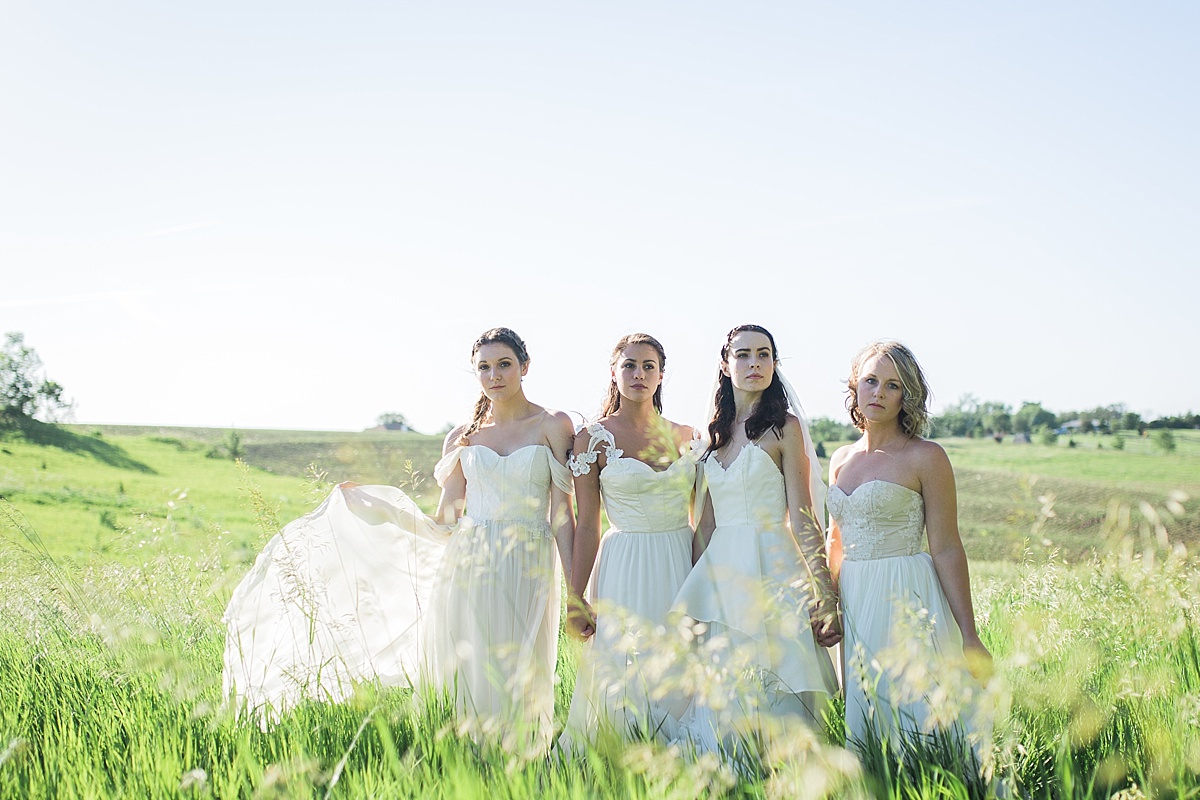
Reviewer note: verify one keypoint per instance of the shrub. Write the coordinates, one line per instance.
(1164, 440)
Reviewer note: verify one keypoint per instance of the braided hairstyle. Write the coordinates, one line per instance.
(769, 414)
(613, 400)
(508, 338)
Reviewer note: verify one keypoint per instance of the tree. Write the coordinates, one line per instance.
(1031, 417)
(25, 391)
(995, 417)
(393, 422)
(1132, 422)
(824, 429)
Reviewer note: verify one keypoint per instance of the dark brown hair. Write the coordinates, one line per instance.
(508, 338)
(769, 414)
(613, 400)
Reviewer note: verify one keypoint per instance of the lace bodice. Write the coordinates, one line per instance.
(879, 519)
(750, 492)
(514, 487)
(638, 498)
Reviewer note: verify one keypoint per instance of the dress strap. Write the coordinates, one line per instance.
(559, 474)
(581, 463)
(445, 466)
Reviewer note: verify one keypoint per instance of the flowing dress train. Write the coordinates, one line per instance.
(367, 588)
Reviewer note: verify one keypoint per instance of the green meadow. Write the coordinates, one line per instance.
(121, 546)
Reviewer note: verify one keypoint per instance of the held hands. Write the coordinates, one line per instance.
(347, 485)
(826, 624)
(581, 621)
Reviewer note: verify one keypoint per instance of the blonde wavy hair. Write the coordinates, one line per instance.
(914, 410)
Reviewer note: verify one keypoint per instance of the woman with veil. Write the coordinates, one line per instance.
(760, 596)
(369, 589)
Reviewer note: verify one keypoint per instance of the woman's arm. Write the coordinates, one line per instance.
(580, 622)
(706, 525)
(946, 549)
(454, 489)
(560, 435)
(807, 535)
(835, 533)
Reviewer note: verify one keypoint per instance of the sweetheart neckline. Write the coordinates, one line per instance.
(854, 491)
(664, 471)
(504, 455)
(725, 470)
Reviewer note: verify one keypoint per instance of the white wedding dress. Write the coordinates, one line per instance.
(625, 677)
(368, 588)
(904, 651)
(750, 589)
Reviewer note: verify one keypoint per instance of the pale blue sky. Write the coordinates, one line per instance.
(301, 215)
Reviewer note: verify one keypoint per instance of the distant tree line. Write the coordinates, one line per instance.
(974, 419)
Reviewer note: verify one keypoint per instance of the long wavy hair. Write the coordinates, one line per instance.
(770, 413)
(612, 400)
(508, 338)
(914, 405)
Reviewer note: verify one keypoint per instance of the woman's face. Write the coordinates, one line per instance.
(880, 393)
(637, 373)
(750, 362)
(498, 370)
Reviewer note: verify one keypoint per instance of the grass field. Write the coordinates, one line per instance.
(121, 546)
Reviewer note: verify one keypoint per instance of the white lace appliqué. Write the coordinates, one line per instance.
(879, 520)
(581, 463)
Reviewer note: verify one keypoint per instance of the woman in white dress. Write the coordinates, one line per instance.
(909, 622)
(642, 467)
(368, 588)
(493, 640)
(760, 590)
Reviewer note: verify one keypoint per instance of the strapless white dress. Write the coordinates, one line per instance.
(750, 590)
(626, 672)
(368, 588)
(904, 651)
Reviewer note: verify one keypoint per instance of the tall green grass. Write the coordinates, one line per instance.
(110, 686)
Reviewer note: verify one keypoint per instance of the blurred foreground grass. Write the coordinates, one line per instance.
(110, 653)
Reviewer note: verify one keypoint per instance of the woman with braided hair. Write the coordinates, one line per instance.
(496, 601)
(368, 588)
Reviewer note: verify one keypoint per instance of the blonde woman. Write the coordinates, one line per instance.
(909, 620)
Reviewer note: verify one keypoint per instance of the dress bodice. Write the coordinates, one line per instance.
(513, 487)
(879, 519)
(749, 492)
(638, 498)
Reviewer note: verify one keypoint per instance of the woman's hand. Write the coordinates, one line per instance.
(826, 624)
(581, 621)
(979, 660)
(347, 485)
